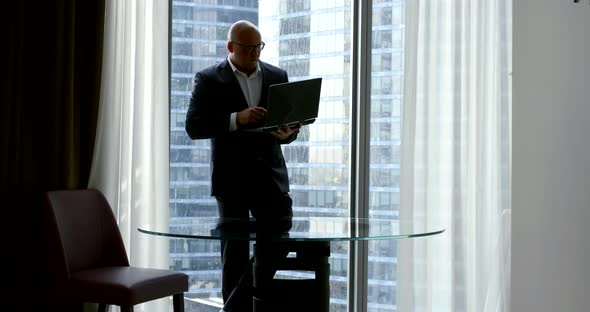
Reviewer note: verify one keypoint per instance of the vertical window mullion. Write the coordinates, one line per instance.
(360, 156)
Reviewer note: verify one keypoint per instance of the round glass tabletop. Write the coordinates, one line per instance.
(303, 229)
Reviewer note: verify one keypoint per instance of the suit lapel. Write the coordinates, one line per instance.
(265, 84)
(233, 85)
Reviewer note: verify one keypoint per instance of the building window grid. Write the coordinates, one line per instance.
(385, 60)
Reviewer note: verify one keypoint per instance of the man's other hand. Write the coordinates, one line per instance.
(284, 132)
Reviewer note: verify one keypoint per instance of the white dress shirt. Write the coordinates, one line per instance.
(251, 88)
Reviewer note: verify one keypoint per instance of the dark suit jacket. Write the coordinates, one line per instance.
(240, 161)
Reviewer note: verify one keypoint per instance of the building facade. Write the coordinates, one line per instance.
(308, 39)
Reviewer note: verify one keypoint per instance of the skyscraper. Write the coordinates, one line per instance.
(308, 39)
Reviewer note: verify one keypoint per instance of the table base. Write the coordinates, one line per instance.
(271, 294)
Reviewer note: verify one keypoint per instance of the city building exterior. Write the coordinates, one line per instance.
(307, 39)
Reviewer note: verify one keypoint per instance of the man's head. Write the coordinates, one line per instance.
(244, 44)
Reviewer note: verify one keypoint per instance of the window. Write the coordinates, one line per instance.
(307, 39)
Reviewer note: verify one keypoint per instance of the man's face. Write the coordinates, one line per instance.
(245, 50)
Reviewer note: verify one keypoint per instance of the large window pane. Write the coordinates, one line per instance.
(386, 93)
(306, 38)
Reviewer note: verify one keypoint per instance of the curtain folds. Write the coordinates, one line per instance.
(130, 164)
(49, 93)
(50, 89)
(456, 163)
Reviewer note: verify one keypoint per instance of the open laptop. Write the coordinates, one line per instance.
(291, 103)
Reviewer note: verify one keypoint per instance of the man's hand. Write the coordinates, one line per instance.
(251, 116)
(284, 132)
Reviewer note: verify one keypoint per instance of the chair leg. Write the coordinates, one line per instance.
(178, 302)
(102, 307)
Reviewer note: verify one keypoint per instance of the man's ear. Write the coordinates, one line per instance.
(230, 47)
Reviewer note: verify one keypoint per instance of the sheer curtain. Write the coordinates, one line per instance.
(456, 151)
(130, 163)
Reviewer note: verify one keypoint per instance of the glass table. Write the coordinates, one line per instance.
(307, 243)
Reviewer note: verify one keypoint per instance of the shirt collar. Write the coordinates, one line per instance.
(237, 71)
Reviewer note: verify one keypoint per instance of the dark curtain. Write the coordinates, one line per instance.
(50, 68)
(51, 89)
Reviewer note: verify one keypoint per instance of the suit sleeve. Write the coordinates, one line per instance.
(203, 120)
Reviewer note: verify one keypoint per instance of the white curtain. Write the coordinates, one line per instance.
(456, 147)
(130, 162)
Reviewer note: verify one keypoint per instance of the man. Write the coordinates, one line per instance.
(249, 174)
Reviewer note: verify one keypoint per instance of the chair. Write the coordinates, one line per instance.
(88, 261)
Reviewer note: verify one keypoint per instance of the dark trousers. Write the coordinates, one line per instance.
(272, 214)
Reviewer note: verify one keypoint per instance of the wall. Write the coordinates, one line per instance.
(551, 156)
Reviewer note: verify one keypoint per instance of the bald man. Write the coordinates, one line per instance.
(248, 171)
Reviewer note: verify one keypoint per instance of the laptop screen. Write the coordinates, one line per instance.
(293, 103)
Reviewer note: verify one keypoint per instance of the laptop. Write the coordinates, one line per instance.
(291, 103)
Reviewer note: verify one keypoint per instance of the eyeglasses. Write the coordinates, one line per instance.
(257, 47)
